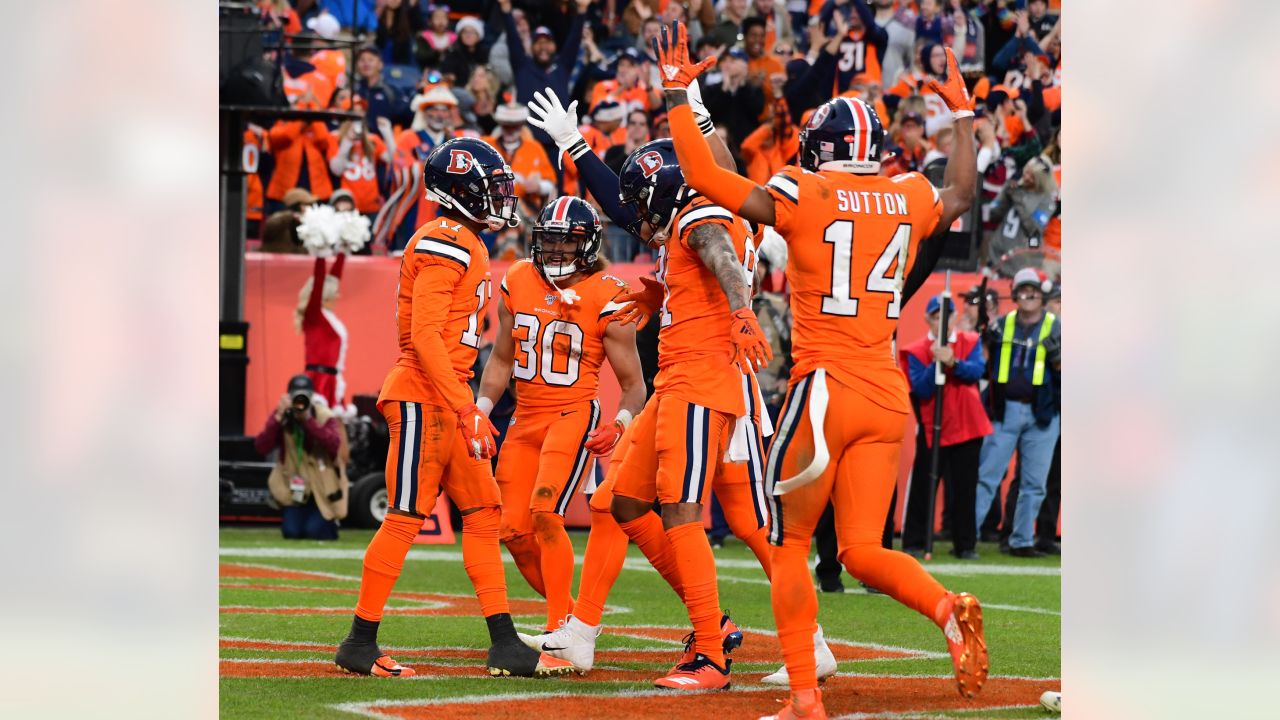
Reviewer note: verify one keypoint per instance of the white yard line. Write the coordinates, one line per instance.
(632, 563)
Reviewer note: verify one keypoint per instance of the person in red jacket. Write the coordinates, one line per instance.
(324, 335)
(964, 425)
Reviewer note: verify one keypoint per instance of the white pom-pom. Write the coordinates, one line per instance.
(355, 231)
(320, 230)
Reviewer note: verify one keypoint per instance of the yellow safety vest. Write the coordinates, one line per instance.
(1006, 348)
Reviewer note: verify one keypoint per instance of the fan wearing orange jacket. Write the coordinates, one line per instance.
(298, 143)
(852, 236)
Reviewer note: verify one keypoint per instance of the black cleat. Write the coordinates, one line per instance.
(512, 658)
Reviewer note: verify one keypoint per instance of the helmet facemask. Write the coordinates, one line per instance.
(659, 227)
(567, 262)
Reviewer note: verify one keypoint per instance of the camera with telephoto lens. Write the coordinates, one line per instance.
(300, 389)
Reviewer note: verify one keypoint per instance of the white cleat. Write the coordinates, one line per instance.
(574, 641)
(1051, 700)
(822, 656)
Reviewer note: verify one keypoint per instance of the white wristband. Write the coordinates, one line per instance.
(484, 405)
(624, 418)
(961, 114)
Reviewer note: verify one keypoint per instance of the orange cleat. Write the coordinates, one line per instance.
(701, 674)
(803, 705)
(552, 666)
(730, 640)
(963, 630)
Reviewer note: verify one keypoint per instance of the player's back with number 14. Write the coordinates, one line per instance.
(851, 237)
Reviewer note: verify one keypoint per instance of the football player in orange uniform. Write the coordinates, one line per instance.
(439, 438)
(652, 171)
(852, 235)
(554, 335)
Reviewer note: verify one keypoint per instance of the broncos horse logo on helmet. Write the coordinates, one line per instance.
(468, 176)
(566, 219)
(652, 184)
(844, 134)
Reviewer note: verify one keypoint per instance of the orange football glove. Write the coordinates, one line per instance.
(640, 304)
(754, 351)
(952, 90)
(674, 64)
(480, 434)
(603, 439)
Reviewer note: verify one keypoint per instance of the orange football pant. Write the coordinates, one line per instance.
(676, 451)
(426, 454)
(541, 465)
(864, 441)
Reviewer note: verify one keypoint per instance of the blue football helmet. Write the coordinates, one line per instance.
(468, 176)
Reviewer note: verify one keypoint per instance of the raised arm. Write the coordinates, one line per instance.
(561, 123)
(958, 181)
(515, 48)
(701, 171)
(315, 301)
(572, 44)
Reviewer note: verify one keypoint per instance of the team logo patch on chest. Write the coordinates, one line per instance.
(551, 298)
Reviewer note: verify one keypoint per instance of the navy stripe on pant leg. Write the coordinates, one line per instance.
(416, 450)
(793, 411)
(400, 457)
(580, 464)
(685, 487)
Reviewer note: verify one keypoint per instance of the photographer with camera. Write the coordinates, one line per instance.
(309, 480)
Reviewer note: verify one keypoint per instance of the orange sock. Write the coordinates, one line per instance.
(524, 550)
(697, 567)
(383, 561)
(740, 514)
(646, 531)
(897, 574)
(606, 551)
(483, 559)
(795, 611)
(557, 565)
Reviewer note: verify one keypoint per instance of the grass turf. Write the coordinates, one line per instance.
(1022, 623)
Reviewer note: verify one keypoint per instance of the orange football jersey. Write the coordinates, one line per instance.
(465, 262)
(558, 334)
(695, 353)
(851, 240)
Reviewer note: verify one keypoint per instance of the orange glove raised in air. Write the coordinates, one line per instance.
(640, 304)
(753, 349)
(674, 65)
(952, 90)
(480, 434)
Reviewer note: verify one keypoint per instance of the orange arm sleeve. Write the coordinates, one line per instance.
(723, 187)
(432, 291)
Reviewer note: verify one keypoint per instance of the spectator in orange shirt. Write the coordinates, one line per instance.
(910, 137)
(535, 175)
(628, 86)
(360, 159)
(605, 129)
(281, 15)
(300, 149)
(761, 62)
(772, 146)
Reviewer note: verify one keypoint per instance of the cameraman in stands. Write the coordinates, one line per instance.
(309, 480)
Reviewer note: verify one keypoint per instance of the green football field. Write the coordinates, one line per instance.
(286, 604)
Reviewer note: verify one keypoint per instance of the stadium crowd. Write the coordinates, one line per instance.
(425, 73)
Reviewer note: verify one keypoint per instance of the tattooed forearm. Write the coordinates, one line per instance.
(714, 247)
(676, 96)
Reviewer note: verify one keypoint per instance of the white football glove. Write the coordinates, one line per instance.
(694, 94)
(549, 115)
